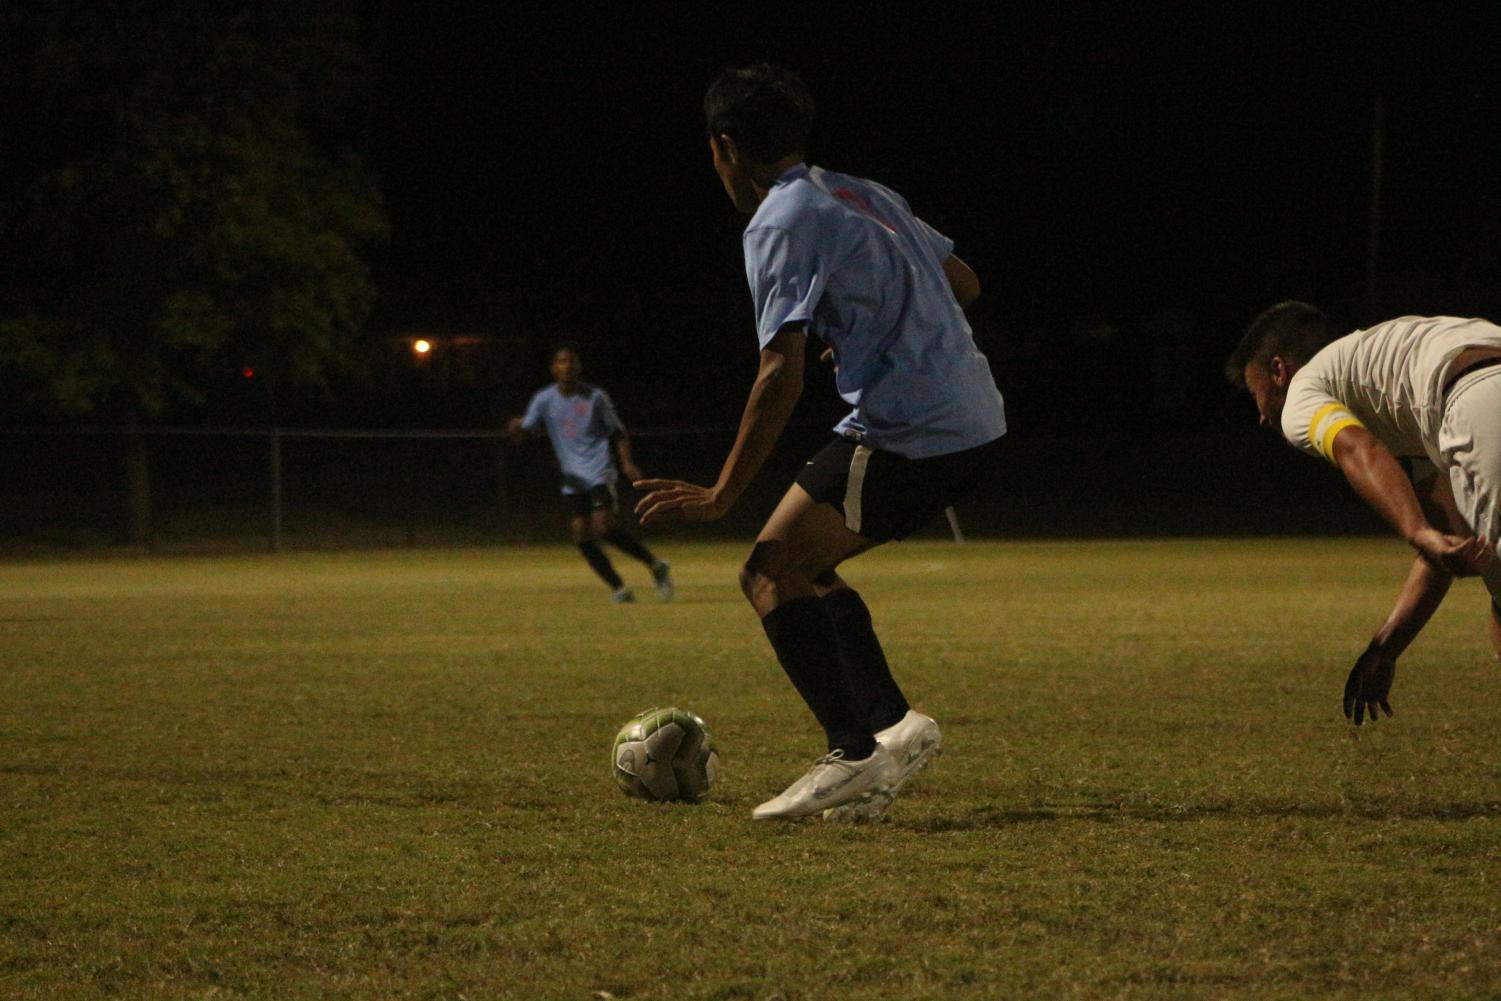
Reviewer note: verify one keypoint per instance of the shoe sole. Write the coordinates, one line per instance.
(865, 810)
(869, 805)
(861, 812)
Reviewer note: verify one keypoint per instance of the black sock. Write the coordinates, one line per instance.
(630, 545)
(803, 637)
(601, 563)
(860, 650)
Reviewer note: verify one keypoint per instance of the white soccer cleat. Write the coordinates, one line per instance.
(661, 573)
(913, 741)
(622, 596)
(834, 782)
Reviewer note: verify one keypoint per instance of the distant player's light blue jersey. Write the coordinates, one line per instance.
(847, 257)
(579, 427)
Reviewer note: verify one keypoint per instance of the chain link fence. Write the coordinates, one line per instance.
(249, 489)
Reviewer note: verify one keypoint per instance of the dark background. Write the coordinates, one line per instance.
(1132, 187)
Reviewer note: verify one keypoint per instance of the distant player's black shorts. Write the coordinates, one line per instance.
(885, 496)
(599, 497)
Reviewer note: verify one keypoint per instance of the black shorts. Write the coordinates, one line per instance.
(599, 497)
(885, 496)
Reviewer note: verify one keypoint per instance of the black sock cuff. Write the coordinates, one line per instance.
(843, 603)
(791, 616)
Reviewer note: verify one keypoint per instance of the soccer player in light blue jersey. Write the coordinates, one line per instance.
(587, 437)
(845, 259)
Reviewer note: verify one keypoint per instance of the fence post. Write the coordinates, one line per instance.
(502, 500)
(953, 518)
(140, 527)
(410, 449)
(275, 489)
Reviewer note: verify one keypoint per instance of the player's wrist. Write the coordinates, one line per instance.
(1420, 535)
(722, 498)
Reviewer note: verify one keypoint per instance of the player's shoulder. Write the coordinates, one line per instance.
(544, 394)
(802, 197)
(792, 207)
(852, 190)
(1314, 392)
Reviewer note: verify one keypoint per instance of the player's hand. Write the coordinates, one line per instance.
(1368, 686)
(674, 500)
(514, 430)
(1460, 556)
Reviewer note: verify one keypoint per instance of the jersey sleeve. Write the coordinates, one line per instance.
(786, 280)
(609, 417)
(536, 413)
(943, 247)
(1312, 419)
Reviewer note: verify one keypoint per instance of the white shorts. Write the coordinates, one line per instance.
(1469, 441)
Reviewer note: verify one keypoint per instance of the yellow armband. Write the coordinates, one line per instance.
(1329, 421)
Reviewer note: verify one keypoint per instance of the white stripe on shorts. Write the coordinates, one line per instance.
(853, 486)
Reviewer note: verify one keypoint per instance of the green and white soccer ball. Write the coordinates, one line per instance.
(665, 754)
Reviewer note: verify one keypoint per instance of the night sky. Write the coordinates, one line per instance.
(1131, 189)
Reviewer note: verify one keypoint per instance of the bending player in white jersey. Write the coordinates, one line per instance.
(843, 258)
(1422, 393)
(587, 436)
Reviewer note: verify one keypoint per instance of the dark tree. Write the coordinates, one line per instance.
(180, 199)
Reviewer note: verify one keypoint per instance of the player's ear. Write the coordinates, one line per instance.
(725, 148)
(1281, 371)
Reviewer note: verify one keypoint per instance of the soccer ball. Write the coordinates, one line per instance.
(665, 754)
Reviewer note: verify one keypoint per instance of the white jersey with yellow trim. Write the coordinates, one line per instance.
(1388, 378)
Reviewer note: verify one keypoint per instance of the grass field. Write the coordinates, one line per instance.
(386, 776)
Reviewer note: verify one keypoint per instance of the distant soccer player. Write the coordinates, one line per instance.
(845, 259)
(581, 423)
(1420, 392)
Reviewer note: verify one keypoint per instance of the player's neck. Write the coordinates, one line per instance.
(763, 177)
(568, 388)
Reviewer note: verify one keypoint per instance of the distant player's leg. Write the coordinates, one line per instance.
(630, 544)
(802, 540)
(581, 526)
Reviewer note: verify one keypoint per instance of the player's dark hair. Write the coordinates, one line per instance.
(766, 109)
(566, 346)
(1292, 330)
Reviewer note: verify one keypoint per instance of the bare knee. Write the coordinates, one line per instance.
(771, 574)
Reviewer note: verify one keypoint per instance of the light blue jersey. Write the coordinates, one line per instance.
(847, 257)
(579, 427)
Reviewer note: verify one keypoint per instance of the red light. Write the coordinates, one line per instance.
(248, 372)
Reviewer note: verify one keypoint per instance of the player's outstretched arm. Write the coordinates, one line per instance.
(514, 431)
(1369, 683)
(962, 279)
(1375, 474)
(779, 383)
(1370, 680)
